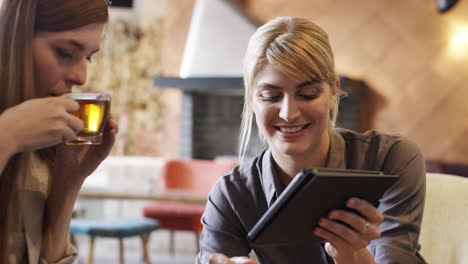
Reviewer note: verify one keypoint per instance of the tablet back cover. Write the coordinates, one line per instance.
(293, 216)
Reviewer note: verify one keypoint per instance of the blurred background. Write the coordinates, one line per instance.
(406, 60)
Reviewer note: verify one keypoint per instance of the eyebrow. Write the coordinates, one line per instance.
(76, 44)
(307, 83)
(301, 85)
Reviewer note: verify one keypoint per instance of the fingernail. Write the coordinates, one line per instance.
(241, 260)
(353, 201)
(315, 231)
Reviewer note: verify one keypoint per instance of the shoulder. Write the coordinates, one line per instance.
(394, 154)
(242, 186)
(240, 179)
(381, 142)
(391, 154)
(380, 151)
(238, 196)
(372, 137)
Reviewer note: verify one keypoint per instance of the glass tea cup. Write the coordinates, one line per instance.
(94, 111)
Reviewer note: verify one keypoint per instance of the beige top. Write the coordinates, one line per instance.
(26, 245)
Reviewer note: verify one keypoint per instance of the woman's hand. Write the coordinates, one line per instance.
(72, 165)
(347, 244)
(77, 162)
(218, 258)
(39, 123)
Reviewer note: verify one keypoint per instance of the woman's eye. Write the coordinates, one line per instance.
(309, 96)
(64, 54)
(269, 97)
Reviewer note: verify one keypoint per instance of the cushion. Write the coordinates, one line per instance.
(444, 232)
(118, 228)
(176, 215)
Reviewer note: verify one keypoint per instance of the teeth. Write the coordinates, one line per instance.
(291, 129)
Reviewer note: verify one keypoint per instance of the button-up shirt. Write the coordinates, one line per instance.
(243, 195)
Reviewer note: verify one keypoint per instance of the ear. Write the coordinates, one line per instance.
(334, 92)
(336, 87)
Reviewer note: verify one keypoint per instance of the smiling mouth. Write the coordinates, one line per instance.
(293, 129)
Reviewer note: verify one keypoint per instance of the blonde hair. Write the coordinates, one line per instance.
(19, 21)
(295, 46)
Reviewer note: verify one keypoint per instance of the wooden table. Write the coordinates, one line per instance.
(182, 196)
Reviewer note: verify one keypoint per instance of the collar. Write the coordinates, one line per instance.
(270, 182)
(337, 151)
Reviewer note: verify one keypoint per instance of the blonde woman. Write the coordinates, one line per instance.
(45, 46)
(292, 92)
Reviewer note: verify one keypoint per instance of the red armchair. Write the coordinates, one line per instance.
(191, 175)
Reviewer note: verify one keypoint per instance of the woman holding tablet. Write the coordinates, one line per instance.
(292, 91)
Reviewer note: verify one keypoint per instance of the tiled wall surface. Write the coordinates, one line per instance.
(402, 49)
(210, 125)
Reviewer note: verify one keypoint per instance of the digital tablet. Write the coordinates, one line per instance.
(312, 194)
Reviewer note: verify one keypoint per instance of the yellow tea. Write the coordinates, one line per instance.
(94, 110)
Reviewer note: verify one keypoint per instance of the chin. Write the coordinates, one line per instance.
(293, 150)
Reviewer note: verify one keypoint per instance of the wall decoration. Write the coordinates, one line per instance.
(130, 57)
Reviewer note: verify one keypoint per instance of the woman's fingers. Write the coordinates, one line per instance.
(348, 231)
(349, 218)
(218, 258)
(109, 134)
(347, 236)
(329, 236)
(75, 123)
(368, 211)
(113, 127)
(367, 229)
(68, 134)
(241, 260)
(366, 224)
(70, 105)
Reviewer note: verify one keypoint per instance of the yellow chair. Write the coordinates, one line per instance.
(444, 230)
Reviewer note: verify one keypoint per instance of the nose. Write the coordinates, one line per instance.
(76, 75)
(289, 109)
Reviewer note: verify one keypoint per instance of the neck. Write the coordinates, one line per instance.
(288, 166)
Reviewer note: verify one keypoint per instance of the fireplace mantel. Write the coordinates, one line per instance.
(212, 85)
